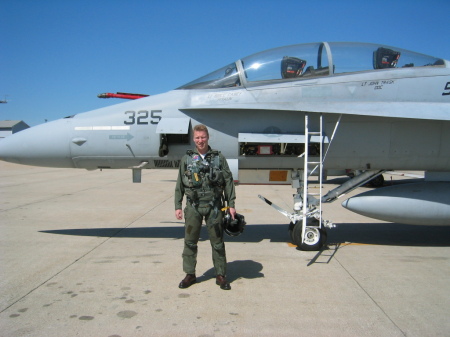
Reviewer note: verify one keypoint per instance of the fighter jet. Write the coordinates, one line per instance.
(285, 115)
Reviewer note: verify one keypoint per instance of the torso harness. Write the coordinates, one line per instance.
(203, 180)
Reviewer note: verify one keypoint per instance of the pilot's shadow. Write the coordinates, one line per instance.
(236, 270)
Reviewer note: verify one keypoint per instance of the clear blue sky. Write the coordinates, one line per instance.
(57, 55)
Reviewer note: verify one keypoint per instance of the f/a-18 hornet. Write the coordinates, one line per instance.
(281, 116)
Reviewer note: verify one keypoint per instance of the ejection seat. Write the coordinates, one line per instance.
(292, 67)
(385, 58)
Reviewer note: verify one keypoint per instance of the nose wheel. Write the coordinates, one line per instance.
(314, 237)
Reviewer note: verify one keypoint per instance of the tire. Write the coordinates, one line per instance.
(291, 232)
(315, 237)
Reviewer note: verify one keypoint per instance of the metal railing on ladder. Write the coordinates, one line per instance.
(309, 168)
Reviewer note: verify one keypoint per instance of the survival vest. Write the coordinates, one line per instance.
(203, 178)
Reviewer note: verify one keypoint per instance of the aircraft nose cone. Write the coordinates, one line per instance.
(351, 204)
(43, 145)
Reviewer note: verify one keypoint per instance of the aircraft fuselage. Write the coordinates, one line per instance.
(402, 135)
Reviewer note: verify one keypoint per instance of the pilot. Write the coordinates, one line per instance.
(206, 180)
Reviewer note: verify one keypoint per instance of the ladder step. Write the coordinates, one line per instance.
(313, 137)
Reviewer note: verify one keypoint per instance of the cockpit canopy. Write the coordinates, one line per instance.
(310, 60)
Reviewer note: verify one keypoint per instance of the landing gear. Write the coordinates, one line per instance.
(307, 226)
(314, 237)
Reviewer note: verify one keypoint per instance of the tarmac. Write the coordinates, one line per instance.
(89, 253)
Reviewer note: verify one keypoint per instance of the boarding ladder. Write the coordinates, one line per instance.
(308, 169)
(309, 206)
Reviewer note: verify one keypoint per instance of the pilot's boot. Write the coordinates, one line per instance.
(222, 282)
(189, 280)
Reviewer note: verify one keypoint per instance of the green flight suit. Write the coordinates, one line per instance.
(199, 207)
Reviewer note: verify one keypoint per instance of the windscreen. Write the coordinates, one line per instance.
(225, 77)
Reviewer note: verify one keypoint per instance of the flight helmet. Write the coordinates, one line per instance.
(233, 227)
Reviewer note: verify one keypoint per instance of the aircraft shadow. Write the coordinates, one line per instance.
(363, 233)
(390, 234)
(252, 233)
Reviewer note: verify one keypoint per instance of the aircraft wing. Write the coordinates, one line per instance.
(415, 110)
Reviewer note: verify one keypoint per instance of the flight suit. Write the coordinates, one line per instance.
(205, 199)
